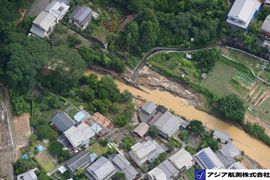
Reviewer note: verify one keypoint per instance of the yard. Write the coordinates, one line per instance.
(100, 33)
(6, 163)
(98, 149)
(22, 130)
(190, 174)
(219, 81)
(44, 159)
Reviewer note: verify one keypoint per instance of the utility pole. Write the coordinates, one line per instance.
(159, 100)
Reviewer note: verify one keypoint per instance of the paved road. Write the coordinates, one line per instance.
(9, 118)
(160, 50)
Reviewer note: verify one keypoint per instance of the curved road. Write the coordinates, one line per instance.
(160, 50)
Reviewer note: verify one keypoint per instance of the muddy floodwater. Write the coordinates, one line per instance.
(252, 147)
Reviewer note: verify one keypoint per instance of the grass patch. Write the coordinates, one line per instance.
(73, 112)
(100, 33)
(190, 174)
(218, 81)
(98, 149)
(45, 162)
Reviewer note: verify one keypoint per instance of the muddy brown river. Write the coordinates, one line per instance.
(252, 147)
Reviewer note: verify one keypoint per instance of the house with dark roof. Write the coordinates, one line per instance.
(242, 13)
(236, 165)
(101, 169)
(141, 130)
(207, 159)
(62, 121)
(221, 136)
(123, 165)
(168, 124)
(81, 16)
(79, 160)
(182, 160)
(227, 154)
(145, 150)
(147, 111)
(29, 175)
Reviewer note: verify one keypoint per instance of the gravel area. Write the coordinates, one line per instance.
(37, 6)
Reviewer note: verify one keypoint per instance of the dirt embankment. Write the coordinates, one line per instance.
(251, 119)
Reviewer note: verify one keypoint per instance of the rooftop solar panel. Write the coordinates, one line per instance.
(233, 167)
(83, 16)
(206, 160)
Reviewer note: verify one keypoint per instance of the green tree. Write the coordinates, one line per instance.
(88, 94)
(135, 5)
(103, 94)
(119, 176)
(121, 120)
(23, 165)
(183, 135)
(32, 139)
(232, 107)
(126, 95)
(46, 132)
(107, 83)
(104, 142)
(196, 126)
(79, 172)
(55, 148)
(163, 156)
(101, 105)
(60, 159)
(153, 131)
(116, 107)
(170, 146)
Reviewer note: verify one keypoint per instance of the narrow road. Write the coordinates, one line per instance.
(160, 50)
(9, 118)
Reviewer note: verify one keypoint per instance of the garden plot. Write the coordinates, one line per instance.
(244, 80)
(45, 160)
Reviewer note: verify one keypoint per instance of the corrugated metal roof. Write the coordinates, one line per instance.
(221, 134)
(157, 174)
(168, 169)
(44, 20)
(79, 116)
(149, 107)
(37, 31)
(181, 158)
(142, 129)
(102, 120)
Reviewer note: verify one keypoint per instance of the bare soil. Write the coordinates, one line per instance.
(251, 164)
(22, 130)
(5, 163)
(265, 124)
(195, 140)
(5, 140)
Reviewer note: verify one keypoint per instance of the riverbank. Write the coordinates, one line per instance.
(252, 147)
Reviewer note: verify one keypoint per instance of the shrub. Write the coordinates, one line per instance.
(36, 151)
(153, 131)
(55, 148)
(104, 142)
(183, 135)
(191, 150)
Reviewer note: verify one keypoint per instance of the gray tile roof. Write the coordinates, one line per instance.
(102, 169)
(63, 140)
(149, 107)
(157, 174)
(80, 160)
(29, 175)
(44, 20)
(62, 121)
(76, 135)
(162, 109)
(81, 14)
(211, 156)
(130, 172)
(236, 165)
(221, 134)
(37, 31)
(266, 24)
(227, 154)
(168, 123)
(181, 158)
(168, 169)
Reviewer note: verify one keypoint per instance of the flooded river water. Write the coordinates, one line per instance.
(252, 147)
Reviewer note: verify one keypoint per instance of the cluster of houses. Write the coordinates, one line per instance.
(46, 21)
(160, 117)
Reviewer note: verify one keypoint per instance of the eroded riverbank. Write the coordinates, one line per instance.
(252, 147)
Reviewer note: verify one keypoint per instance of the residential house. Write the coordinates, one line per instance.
(221, 136)
(227, 154)
(168, 124)
(47, 19)
(98, 123)
(182, 160)
(147, 111)
(236, 165)
(101, 169)
(242, 13)
(76, 137)
(266, 3)
(123, 165)
(43, 24)
(141, 130)
(62, 121)
(146, 150)
(164, 168)
(81, 16)
(79, 160)
(29, 175)
(207, 159)
(58, 9)
(265, 28)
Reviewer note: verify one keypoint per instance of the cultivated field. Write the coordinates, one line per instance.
(5, 163)
(218, 81)
(22, 130)
(44, 159)
(98, 149)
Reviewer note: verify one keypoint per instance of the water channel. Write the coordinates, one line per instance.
(252, 147)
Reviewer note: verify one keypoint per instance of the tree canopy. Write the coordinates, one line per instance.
(46, 132)
(153, 131)
(196, 126)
